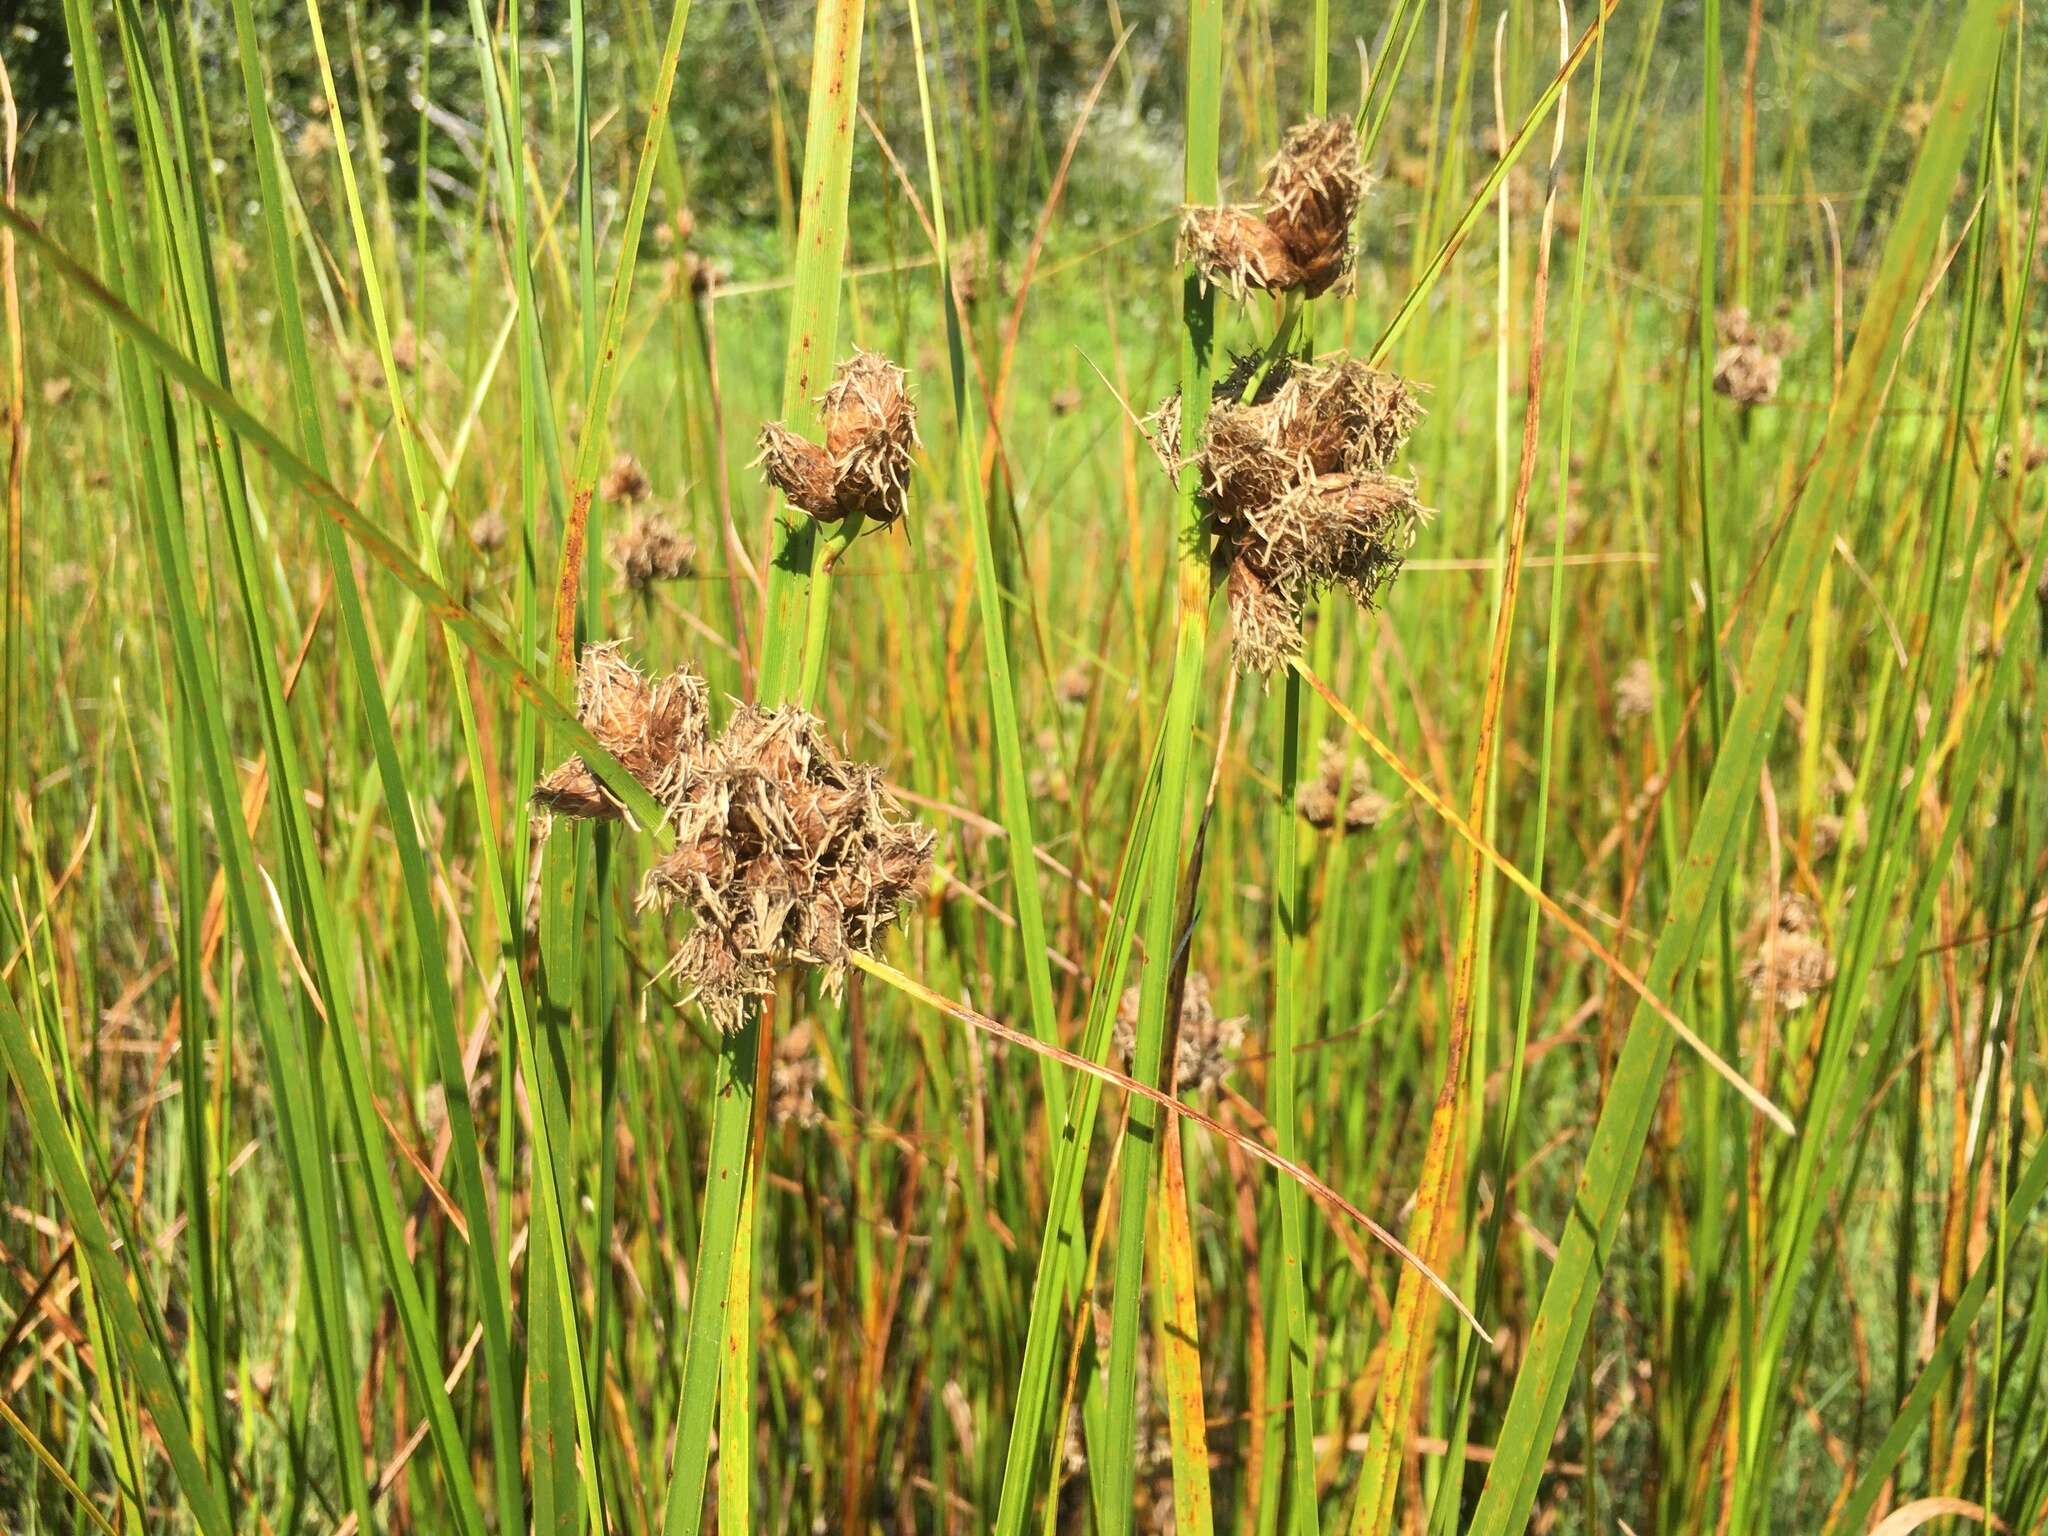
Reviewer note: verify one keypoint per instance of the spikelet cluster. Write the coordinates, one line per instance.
(653, 727)
(1786, 957)
(1298, 238)
(648, 550)
(863, 467)
(786, 853)
(1207, 1046)
(1750, 359)
(1341, 796)
(1297, 487)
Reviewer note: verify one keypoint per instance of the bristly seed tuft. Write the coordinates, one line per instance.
(1296, 488)
(786, 854)
(648, 550)
(1299, 238)
(864, 466)
(654, 729)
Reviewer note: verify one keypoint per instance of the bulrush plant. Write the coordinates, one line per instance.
(1298, 240)
(863, 468)
(1295, 486)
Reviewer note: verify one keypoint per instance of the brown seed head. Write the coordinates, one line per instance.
(1635, 695)
(625, 482)
(488, 532)
(801, 470)
(870, 429)
(1208, 1046)
(654, 729)
(1312, 191)
(648, 550)
(1319, 799)
(786, 854)
(1787, 959)
(1236, 249)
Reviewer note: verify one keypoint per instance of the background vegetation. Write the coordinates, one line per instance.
(362, 1167)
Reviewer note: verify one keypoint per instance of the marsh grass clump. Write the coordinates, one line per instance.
(786, 854)
(1750, 361)
(1324, 805)
(647, 550)
(654, 729)
(1207, 1046)
(1299, 237)
(1786, 957)
(1296, 490)
(863, 468)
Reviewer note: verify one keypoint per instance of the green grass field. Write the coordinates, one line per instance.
(1552, 1047)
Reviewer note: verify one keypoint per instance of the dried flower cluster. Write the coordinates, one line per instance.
(1750, 360)
(786, 853)
(1296, 489)
(1635, 694)
(487, 532)
(1324, 803)
(1787, 959)
(648, 550)
(863, 469)
(793, 1078)
(1299, 238)
(653, 728)
(625, 482)
(1208, 1046)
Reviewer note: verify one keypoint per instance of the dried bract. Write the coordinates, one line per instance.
(654, 729)
(864, 466)
(786, 854)
(648, 550)
(1208, 1046)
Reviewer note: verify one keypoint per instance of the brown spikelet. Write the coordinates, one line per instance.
(1750, 361)
(786, 854)
(1207, 1047)
(488, 532)
(1635, 695)
(801, 470)
(1786, 955)
(648, 550)
(625, 482)
(1323, 802)
(793, 1079)
(864, 466)
(1299, 239)
(653, 729)
(1236, 249)
(1295, 487)
(1313, 188)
